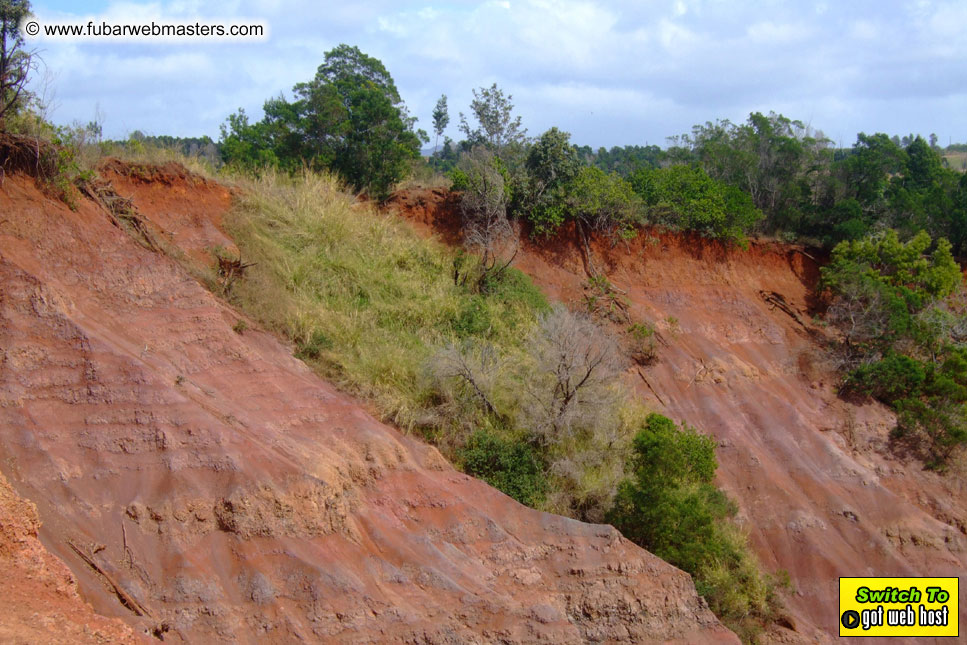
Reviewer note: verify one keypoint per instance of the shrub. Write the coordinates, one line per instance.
(893, 378)
(507, 465)
(643, 348)
(897, 303)
(312, 346)
(551, 165)
(483, 207)
(880, 285)
(576, 365)
(685, 198)
(604, 202)
(467, 374)
(935, 427)
(670, 506)
(458, 179)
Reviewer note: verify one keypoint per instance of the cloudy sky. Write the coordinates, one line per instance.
(611, 73)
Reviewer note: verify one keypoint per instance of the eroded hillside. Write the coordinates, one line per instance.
(202, 484)
(820, 493)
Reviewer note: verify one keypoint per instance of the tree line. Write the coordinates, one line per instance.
(890, 208)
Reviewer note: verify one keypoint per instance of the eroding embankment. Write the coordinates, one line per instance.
(819, 492)
(202, 484)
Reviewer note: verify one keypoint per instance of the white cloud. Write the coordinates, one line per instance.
(777, 33)
(864, 30)
(610, 72)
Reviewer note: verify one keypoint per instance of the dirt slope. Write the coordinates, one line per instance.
(203, 485)
(39, 603)
(820, 494)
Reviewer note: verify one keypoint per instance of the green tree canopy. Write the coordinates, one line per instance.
(349, 118)
(497, 127)
(441, 118)
(685, 197)
(15, 61)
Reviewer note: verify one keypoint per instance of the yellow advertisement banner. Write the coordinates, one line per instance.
(899, 606)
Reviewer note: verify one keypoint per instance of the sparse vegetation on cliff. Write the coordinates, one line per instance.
(526, 396)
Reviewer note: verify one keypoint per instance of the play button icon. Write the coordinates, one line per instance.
(850, 619)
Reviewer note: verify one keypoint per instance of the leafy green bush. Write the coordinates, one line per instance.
(460, 180)
(671, 507)
(643, 348)
(558, 189)
(508, 465)
(890, 379)
(686, 198)
(550, 166)
(604, 202)
(906, 265)
(880, 285)
(932, 419)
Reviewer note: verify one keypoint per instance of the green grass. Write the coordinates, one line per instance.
(364, 299)
(369, 304)
(956, 160)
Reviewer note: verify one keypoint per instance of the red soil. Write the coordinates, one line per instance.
(227, 494)
(819, 491)
(39, 601)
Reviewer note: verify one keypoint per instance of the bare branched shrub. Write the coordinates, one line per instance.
(860, 311)
(467, 374)
(586, 473)
(483, 207)
(947, 319)
(574, 385)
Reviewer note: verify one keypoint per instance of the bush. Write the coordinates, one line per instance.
(459, 180)
(686, 198)
(933, 418)
(880, 285)
(643, 348)
(507, 465)
(312, 347)
(604, 202)
(576, 364)
(551, 165)
(483, 208)
(897, 305)
(893, 378)
(670, 506)
(902, 265)
(935, 427)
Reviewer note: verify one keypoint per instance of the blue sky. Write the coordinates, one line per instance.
(611, 73)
